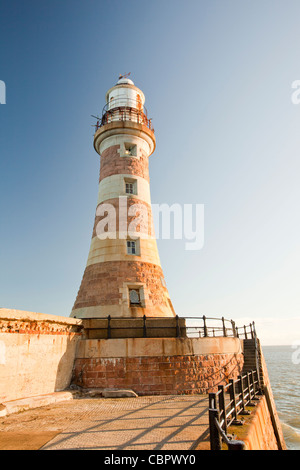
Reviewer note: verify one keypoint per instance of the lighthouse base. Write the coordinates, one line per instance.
(158, 366)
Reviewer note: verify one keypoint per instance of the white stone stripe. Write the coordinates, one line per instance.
(102, 251)
(121, 139)
(102, 311)
(114, 186)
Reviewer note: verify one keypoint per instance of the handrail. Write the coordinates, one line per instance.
(192, 327)
(224, 413)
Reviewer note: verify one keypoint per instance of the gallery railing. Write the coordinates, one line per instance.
(191, 327)
(124, 109)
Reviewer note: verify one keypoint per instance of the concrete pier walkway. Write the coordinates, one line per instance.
(138, 423)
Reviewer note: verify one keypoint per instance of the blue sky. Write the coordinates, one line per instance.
(217, 77)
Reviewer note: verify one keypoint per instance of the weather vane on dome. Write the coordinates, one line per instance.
(126, 75)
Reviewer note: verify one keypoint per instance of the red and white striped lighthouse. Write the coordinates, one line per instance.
(123, 275)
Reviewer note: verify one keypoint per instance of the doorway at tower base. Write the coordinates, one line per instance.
(158, 366)
(139, 327)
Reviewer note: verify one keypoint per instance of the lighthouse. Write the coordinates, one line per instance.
(123, 277)
(132, 339)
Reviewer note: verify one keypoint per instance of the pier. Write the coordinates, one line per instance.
(143, 423)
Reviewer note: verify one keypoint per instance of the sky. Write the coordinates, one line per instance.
(217, 76)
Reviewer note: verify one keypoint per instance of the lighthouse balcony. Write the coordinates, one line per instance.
(124, 112)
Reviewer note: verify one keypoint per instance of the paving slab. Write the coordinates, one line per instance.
(137, 423)
(33, 440)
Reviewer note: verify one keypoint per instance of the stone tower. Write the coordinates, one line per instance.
(123, 277)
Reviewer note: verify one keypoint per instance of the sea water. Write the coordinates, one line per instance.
(283, 364)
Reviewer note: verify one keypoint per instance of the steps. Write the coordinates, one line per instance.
(249, 355)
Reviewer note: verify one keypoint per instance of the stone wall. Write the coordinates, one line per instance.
(267, 388)
(37, 352)
(257, 431)
(102, 286)
(261, 434)
(112, 164)
(158, 366)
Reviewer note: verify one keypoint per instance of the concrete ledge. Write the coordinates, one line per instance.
(140, 347)
(24, 315)
(24, 404)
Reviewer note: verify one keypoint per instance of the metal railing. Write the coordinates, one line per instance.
(211, 326)
(227, 404)
(246, 331)
(123, 112)
(191, 327)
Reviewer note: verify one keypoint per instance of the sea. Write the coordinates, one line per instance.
(283, 364)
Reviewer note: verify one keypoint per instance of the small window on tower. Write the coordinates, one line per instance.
(131, 247)
(130, 186)
(130, 150)
(134, 297)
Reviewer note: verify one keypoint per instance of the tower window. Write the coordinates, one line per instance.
(134, 297)
(130, 186)
(130, 150)
(131, 247)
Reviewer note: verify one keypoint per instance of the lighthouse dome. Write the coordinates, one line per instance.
(125, 81)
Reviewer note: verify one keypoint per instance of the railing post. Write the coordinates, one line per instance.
(233, 328)
(252, 384)
(177, 327)
(222, 407)
(250, 403)
(242, 395)
(232, 398)
(254, 330)
(241, 391)
(257, 360)
(144, 327)
(248, 388)
(204, 326)
(213, 414)
(224, 328)
(215, 438)
(108, 327)
(245, 331)
(255, 388)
